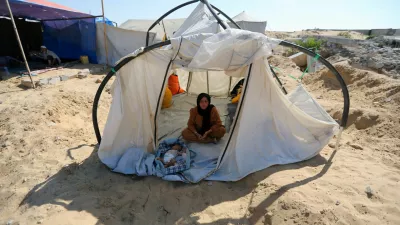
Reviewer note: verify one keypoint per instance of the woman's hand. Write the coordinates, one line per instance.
(198, 135)
(205, 135)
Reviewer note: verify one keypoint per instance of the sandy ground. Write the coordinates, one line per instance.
(297, 34)
(50, 172)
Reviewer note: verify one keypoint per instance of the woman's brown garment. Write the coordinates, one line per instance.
(195, 122)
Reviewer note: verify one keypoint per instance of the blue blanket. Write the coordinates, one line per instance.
(139, 162)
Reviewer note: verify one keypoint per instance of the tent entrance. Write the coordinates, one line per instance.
(30, 33)
(170, 123)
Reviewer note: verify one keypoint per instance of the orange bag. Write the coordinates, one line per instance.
(173, 84)
(167, 101)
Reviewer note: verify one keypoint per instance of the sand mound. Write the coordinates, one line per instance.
(374, 104)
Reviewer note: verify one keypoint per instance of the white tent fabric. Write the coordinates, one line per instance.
(120, 42)
(135, 93)
(246, 22)
(170, 26)
(270, 127)
(200, 21)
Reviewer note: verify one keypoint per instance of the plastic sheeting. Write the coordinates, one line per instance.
(71, 39)
(120, 42)
(199, 21)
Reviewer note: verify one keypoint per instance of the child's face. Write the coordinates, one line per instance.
(176, 147)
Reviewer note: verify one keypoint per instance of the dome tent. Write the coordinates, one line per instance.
(207, 53)
(246, 22)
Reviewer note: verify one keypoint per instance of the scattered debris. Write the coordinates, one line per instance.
(26, 82)
(332, 145)
(54, 80)
(83, 73)
(96, 70)
(43, 81)
(337, 203)
(209, 183)
(108, 89)
(369, 192)
(81, 76)
(98, 81)
(64, 77)
(356, 146)
(71, 76)
(61, 90)
(284, 206)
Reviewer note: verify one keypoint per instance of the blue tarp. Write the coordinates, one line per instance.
(69, 38)
(108, 22)
(39, 10)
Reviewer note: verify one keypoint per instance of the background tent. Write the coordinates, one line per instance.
(246, 22)
(65, 31)
(171, 26)
(120, 42)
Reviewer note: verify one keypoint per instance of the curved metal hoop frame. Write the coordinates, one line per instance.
(117, 67)
(211, 7)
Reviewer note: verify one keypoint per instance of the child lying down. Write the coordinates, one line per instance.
(169, 158)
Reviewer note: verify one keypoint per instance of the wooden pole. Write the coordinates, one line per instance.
(104, 31)
(19, 42)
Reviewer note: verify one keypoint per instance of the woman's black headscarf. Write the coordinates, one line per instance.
(205, 113)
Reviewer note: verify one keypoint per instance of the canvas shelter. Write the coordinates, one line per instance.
(63, 30)
(269, 128)
(166, 26)
(246, 22)
(120, 42)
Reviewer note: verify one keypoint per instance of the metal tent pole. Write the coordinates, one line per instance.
(104, 31)
(19, 42)
(208, 86)
(165, 15)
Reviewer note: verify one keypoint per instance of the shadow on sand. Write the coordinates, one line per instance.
(117, 199)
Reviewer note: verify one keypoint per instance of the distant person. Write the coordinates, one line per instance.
(49, 56)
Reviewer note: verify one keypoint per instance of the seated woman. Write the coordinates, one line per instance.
(204, 124)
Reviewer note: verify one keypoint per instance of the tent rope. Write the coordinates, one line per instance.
(312, 61)
(279, 70)
(305, 71)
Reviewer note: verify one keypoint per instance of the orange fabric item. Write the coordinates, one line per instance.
(167, 101)
(173, 84)
(236, 99)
